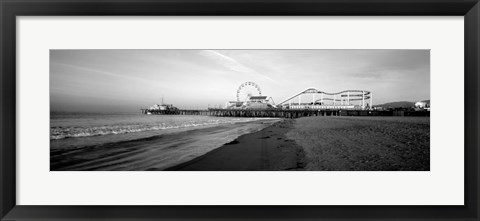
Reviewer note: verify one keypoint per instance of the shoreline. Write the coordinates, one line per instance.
(266, 150)
(150, 153)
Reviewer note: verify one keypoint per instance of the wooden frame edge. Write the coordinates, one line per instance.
(10, 9)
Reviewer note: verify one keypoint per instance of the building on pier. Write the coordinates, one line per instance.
(160, 109)
(422, 105)
(253, 102)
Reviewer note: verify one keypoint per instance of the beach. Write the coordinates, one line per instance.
(203, 143)
(325, 144)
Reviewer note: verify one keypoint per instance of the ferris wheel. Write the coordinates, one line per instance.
(247, 90)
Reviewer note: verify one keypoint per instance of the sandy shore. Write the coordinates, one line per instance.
(364, 143)
(325, 143)
(268, 149)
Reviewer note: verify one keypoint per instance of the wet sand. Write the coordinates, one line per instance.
(325, 144)
(265, 150)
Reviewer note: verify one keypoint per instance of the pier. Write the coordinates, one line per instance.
(282, 113)
(315, 103)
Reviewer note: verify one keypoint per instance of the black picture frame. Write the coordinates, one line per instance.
(9, 210)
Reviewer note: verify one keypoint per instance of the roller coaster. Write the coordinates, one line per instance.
(249, 95)
(348, 99)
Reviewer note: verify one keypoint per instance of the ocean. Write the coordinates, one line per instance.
(131, 141)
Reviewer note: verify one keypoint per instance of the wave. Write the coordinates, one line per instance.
(57, 133)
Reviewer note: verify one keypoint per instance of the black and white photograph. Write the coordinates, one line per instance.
(239, 110)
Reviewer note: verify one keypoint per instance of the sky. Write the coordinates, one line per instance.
(127, 80)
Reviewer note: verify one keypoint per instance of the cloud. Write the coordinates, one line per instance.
(87, 70)
(232, 64)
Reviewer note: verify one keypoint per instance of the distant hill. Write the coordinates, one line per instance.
(399, 104)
